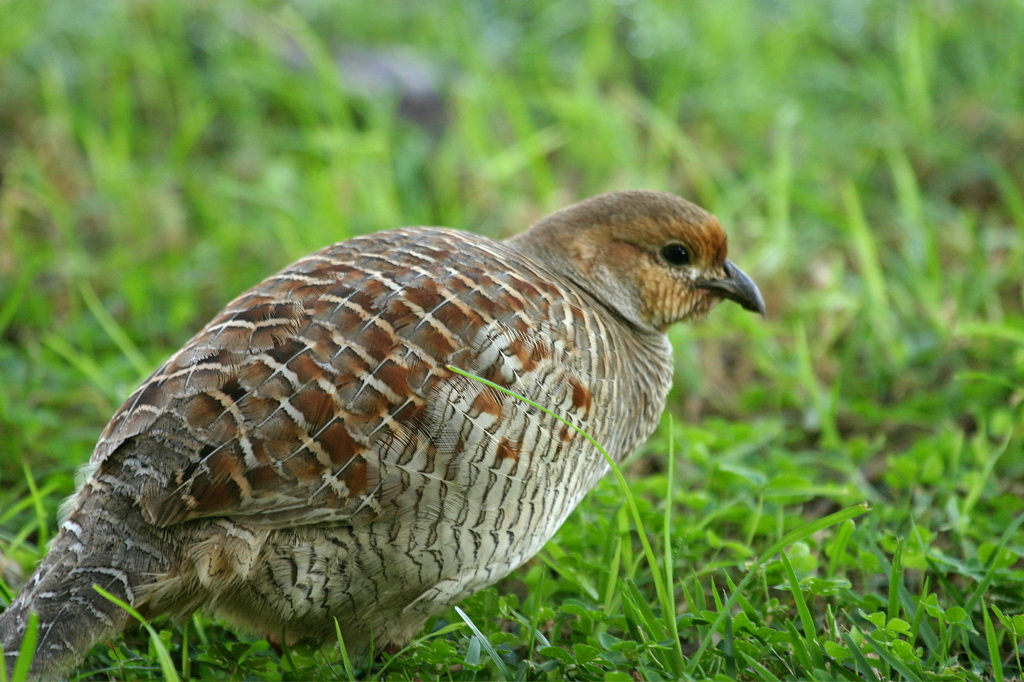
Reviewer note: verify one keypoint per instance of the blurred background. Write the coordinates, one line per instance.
(867, 159)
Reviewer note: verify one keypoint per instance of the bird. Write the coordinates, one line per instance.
(348, 443)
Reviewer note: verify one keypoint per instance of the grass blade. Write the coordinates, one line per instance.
(861, 661)
(166, 664)
(346, 664)
(993, 646)
(113, 330)
(895, 580)
(838, 546)
(667, 527)
(864, 245)
(486, 644)
(805, 613)
(42, 519)
(26, 653)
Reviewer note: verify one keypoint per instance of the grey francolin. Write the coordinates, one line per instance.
(310, 455)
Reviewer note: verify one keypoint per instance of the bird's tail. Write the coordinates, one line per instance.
(104, 542)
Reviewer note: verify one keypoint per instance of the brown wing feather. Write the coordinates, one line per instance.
(291, 397)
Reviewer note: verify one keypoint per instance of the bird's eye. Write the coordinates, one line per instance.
(675, 254)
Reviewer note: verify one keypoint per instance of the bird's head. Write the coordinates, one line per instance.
(652, 257)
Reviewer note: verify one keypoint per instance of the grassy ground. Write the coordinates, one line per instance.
(158, 157)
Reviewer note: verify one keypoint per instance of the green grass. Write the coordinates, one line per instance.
(159, 157)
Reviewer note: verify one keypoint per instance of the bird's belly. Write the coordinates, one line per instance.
(441, 539)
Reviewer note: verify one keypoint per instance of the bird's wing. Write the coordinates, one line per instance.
(309, 397)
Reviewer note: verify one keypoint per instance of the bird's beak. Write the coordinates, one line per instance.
(736, 286)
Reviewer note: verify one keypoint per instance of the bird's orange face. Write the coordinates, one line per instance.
(671, 260)
(666, 266)
(685, 273)
(652, 257)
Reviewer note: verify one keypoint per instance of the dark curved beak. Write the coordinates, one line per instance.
(736, 286)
